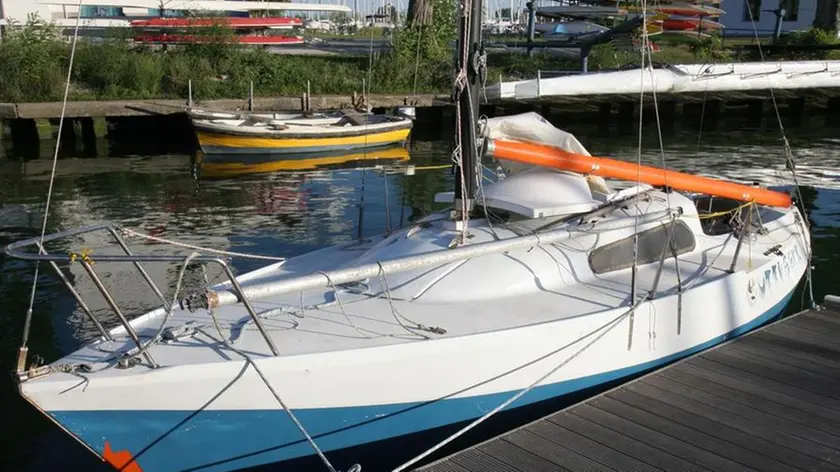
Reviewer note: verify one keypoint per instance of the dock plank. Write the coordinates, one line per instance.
(519, 457)
(769, 401)
(802, 437)
(622, 443)
(558, 454)
(653, 437)
(477, 460)
(797, 348)
(755, 401)
(767, 451)
(757, 436)
(589, 448)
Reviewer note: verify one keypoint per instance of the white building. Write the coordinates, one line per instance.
(111, 13)
(799, 15)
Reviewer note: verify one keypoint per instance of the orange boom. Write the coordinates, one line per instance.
(548, 156)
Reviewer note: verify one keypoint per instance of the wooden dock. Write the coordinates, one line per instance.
(767, 401)
(122, 108)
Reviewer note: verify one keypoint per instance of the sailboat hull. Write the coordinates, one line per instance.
(191, 419)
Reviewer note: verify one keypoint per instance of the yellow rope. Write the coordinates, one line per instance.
(723, 213)
(84, 255)
(443, 166)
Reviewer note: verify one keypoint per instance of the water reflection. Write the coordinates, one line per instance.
(291, 207)
(229, 165)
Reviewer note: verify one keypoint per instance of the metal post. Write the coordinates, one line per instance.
(189, 93)
(79, 300)
(113, 304)
(251, 97)
(777, 31)
(82, 304)
(584, 59)
(139, 267)
(308, 97)
(532, 27)
(744, 232)
(387, 205)
(251, 311)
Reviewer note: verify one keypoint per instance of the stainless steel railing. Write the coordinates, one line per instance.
(17, 250)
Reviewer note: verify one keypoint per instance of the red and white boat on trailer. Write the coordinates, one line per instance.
(250, 31)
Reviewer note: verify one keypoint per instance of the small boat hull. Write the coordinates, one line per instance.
(229, 140)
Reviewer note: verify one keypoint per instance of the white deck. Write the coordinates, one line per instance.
(540, 278)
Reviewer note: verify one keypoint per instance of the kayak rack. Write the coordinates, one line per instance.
(17, 251)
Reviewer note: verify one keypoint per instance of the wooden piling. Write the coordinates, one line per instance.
(44, 129)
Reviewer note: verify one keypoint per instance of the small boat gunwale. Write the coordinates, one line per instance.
(314, 131)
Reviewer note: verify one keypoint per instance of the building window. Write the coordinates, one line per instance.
(791, 10)
(753, 6)
(619, 254)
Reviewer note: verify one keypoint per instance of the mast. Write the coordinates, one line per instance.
(469, 41)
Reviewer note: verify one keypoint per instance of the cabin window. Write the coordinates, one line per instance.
(619, 254)
(754, 7)
(791, 10)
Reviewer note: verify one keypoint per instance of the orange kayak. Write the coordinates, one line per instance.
(548, 156)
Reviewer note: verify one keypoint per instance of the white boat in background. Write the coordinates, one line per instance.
(677, 78)
(207, 5)
(64, 12)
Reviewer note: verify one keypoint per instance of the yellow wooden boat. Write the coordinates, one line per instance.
(261, 135)
(218, 165)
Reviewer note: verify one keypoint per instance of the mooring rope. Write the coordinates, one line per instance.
(606, 328)
(277, 397)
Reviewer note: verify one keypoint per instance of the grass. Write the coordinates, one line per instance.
(34, 60)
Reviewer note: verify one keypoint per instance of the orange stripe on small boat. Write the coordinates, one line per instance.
(549, 156)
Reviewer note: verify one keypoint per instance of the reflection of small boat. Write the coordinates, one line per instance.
(220, 165)
(261, 135)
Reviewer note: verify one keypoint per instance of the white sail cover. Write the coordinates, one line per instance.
(532, 127)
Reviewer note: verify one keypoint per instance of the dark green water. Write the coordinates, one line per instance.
(291, 212)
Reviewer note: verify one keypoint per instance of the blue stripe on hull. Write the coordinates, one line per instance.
(233, 439)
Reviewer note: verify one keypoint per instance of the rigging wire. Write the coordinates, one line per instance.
(634, 269)
(28, 321)
(131, 232)
(790, 164)
(605, 329)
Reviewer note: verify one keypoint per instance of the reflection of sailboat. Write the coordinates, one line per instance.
(225, 165)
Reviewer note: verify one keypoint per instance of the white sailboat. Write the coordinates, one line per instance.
(535, 287)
